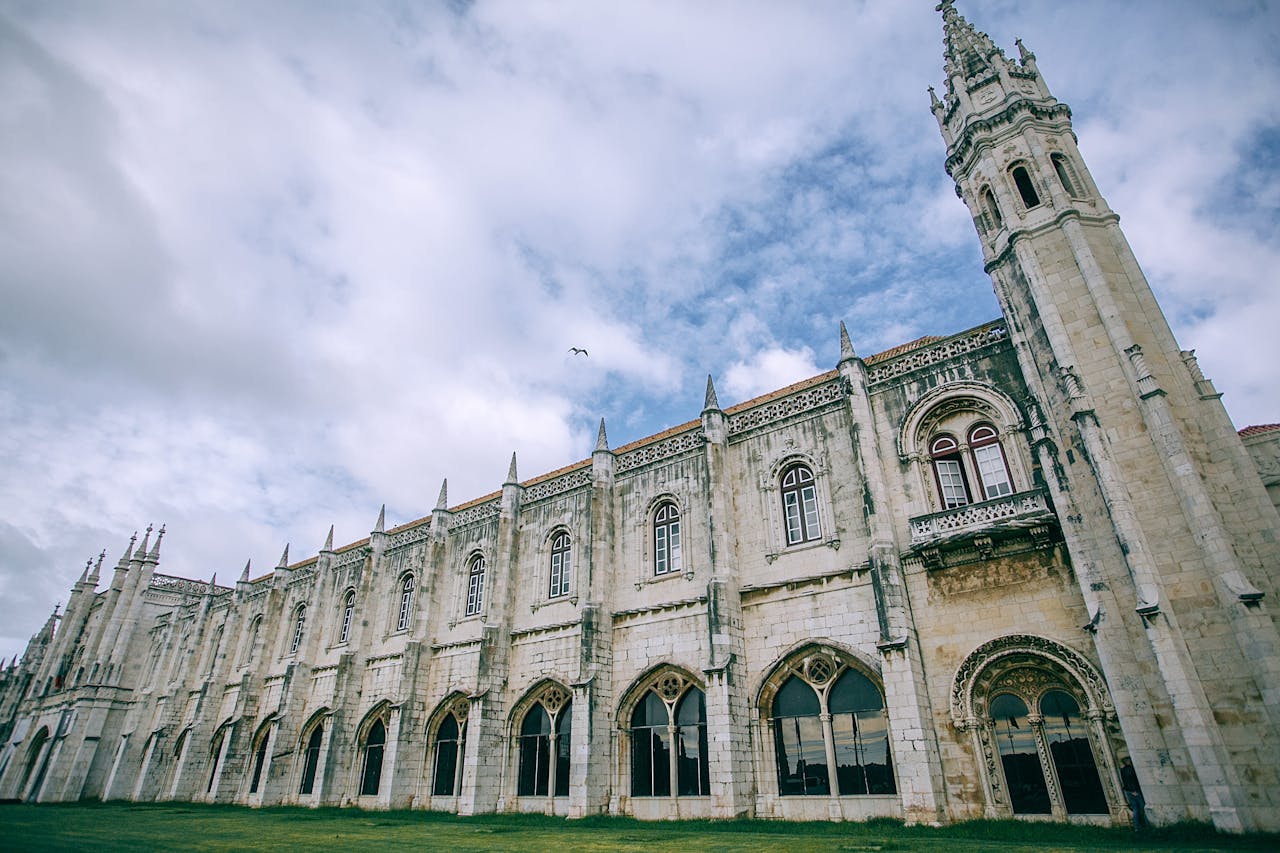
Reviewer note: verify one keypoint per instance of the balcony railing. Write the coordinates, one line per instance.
(1020, 512)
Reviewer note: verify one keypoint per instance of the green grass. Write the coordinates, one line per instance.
(187, 826)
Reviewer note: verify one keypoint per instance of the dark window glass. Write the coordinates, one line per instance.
(693, 771)
(650, 748)
(535, 752)
(374, 745)
(861, 736)
(1017, 744)
(798, 741)
(310, 760)
(1026, 189)
(564, 744)
(1064, 730)
(259, 760)
(215, 757)
(448, 751)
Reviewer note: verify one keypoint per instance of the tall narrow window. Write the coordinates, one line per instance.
(1016, 742)
(798, 740)
(669, 740)
(1063, 168)
(215, 758)
(988, 457)
(560, 552)
(311, 759)
(991, 209)
(693, 769)
(949, 471)
(861, 736)
(650, 748)
(214, 648)
(348, 610)
(1026, 189)
(800, 505)
(545, 743)
(406, 603)
(251, 641)
(667, 556)
(1064, 730)
(475, 586)
(449, 747)
(260, 758)
(299, 623)
(371, 769)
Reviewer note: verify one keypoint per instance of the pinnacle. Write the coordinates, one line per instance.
(284, 558)
(97, 568)
(128, 551)
(602, 440)
(512, 478)
(380, 526)
(244, 576)
(710, 401)
(846, 345)
(442, 502)
(328, 541)
(154, 554)
(142, 549)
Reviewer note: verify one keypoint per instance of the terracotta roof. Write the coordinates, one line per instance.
(1260, 429)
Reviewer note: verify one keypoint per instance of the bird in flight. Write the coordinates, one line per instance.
(577, 351)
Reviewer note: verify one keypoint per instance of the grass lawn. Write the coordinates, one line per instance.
(186, 826)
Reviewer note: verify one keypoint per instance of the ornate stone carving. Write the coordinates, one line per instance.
(558, 485)
(989, 335)
(802, 401)
(659, 450)
(995, 659)
(476, 514)
(1027, 509)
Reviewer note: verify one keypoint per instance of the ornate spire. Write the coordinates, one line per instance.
(442, 502)
(97, 568)
(967, 51)
(846, 345)
(512, 478)
(328, 540)
(602, 440)
(710, 401)
(128, 552)
(154, 554)
(380, 526)
(284, 558)
(84, 576)
(141, 553)
(244, 576)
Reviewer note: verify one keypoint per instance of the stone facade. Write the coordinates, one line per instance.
(960, 578)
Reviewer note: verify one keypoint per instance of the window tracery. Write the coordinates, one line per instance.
(668, 735)
(546, 732)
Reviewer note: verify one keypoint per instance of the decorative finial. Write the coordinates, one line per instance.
(947, 8)
(284, 558)
(328, 540)
(602, 440)
(380, 526)
(512, 478)
(442, 502)
(244, 576)
(142, 549)
(1024, 54)
(933, 98)
(710, 401)
(154, 554)
(128, 551)
(846, 345)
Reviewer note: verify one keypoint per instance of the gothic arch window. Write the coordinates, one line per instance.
(1026, 188)
(1038, 711)
(668, 554)
(372, 750)
(348, 612)
(1066, 174)
(546, 731)
(33, 755)
(309, 745)
(829, 727)
(800, 504)
(561, 551)
(299, 625)
(475, 585)
(448, 748)
(991, 209)
(668, 734)
(405, 613)
(261, 746)
(215, 755)
(251, 640)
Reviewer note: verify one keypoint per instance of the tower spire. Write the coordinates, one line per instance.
(846, 345)
(511, 472)
(442, 502)
(710, 401)
(602, 440)
(967, 51)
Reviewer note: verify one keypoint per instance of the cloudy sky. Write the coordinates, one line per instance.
(266, 266)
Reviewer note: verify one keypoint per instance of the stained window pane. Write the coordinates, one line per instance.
(1064, 730)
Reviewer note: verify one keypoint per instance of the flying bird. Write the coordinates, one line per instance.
(577, 351)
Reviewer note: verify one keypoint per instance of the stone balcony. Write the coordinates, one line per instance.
(979, 531)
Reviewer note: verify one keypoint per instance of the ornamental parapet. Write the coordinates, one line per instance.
(979, 531)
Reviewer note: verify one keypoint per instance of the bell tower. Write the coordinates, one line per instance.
(1172, 540)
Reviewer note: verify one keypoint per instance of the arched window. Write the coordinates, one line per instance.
(1026, 189)
(299, 623)
(560, 552)
(449, 748)
(991, 209)
(545, 739)
(251, 641)
(33, 754)
(215, 757)
(670, 720)
(1068, 740)
(475, 585)
(949, 471)
(214, 648)
(375, 744)
(260, 757)
(406, 603)
(311, 758)
(824, 709)
(800, 505)
(1016, 741)
(1063, 168)
(667, 555)
(988, 458)
(348, 610)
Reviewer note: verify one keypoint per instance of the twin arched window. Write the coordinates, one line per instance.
(670, 720)
(1061, 726)
(989, 463)
(475, 585)
(299, 623)
(406, 603)
(800, 505)
(348, 611)
(545, 735)
(668, 557)
(830, 732)
(560, 553)
(450, 745)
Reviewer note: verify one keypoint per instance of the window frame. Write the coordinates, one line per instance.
(404, 614)
(669, 690)
(346, 616)
(299, 623)
(808, 517)
(1028, 193)
(980, 443)
(560, 564)
(665, 528)
(953, 455)
(474, 599)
